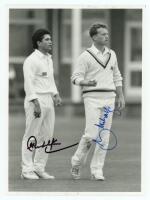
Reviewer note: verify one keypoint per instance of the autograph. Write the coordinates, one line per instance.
(100, 142)
(32, 145)
(32, 141)
(102, 122)
(103, 130)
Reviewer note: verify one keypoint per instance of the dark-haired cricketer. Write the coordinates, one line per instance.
(98, 75)
(41, 95)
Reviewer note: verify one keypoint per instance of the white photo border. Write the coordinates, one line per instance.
(4, 116)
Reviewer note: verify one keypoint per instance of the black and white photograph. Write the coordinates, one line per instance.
(75, 84)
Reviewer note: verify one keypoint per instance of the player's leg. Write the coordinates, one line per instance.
(91, 115)
(32, 128)
(99, 155)
(46, 134)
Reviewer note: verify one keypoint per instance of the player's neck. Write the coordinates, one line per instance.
(43, 51)
(100, 47)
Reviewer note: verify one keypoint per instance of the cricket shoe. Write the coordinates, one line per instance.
(29, 175)
(44, 175)
(75, 172)
(97, 177)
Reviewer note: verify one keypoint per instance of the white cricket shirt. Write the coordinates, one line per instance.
(105, 71)
(38, 75)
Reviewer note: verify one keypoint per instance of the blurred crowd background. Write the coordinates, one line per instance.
(69, 31)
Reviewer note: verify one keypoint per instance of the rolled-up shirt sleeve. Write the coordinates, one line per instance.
(116, 74)
(29, 72)
(80, 70)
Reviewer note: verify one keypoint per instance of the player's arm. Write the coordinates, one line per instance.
(78, 76)
(120, 102)
(28, 71)
(88, 83)
(120, 98)
(55, 94)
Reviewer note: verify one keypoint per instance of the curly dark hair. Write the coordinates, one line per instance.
(38, 36)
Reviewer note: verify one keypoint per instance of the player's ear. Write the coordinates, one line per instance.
(94, 37)
(38, 43)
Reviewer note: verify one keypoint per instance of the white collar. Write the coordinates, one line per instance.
(96, 51)
(40, 54)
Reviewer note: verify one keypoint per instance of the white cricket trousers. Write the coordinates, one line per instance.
(94, 110)
(42, 128)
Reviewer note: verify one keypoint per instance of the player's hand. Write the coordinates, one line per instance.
(120, 102)
(37, 108)
(57, 100)
(89, 83)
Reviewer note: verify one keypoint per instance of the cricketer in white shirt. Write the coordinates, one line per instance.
(38, 75)
(98, 75)
(40, 96)
(106, 74)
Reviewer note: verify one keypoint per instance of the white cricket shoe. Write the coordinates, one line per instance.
(75, 172)
(29, 175)
(44, 175)
(98, 177)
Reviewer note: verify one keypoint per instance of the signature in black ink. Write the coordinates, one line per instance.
(32, 145)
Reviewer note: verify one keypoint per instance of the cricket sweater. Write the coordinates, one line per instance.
(102, 67)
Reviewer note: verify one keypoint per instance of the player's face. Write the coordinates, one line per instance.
(102, 36)
(46, 43)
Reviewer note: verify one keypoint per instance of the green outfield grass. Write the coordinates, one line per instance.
(122, 167)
